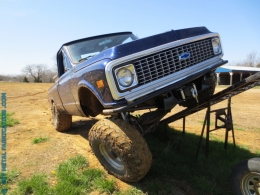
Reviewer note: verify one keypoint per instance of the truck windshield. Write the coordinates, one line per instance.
(86, 49)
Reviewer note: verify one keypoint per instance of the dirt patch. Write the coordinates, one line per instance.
(29, 103)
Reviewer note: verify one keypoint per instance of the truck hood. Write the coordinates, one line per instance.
(145, 43)
(151, 42)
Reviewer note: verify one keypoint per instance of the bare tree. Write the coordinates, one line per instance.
(258, 62)
(251, 59)
(36, 71)
(11, 78)
(48, 76)
(54, 66)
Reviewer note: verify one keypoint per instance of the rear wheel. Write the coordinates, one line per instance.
(245, 177)
(61, 121)
(121, 149)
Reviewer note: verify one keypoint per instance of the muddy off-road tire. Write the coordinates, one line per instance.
(245, 177)
(62, 122)
(121, 149)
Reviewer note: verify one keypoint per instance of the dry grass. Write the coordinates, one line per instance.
(29, 103)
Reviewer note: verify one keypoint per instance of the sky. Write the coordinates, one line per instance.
(32, 31)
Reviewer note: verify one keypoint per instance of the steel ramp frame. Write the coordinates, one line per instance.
(225, 94)
(231, 91)
(227, 124)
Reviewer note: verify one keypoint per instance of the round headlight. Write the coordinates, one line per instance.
(216, 45)
(125, 77)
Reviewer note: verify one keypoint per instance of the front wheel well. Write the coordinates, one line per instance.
(89, 103)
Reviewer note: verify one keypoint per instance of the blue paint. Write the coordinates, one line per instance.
(184, 56)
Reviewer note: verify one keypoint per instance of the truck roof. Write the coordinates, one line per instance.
(95, 37)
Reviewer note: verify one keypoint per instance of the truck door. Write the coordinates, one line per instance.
(65, 70)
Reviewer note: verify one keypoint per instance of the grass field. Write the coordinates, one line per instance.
(35, 151)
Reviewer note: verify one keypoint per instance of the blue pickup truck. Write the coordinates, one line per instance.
(117, 74)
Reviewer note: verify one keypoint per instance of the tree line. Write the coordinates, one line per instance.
(37, 73)
(40, 73)
(252, 60)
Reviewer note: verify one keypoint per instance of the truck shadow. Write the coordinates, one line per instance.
(175, 169)
(81, 127)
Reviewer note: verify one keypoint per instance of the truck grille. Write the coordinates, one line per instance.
(167, 62)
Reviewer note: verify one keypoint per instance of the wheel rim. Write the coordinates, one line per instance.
(251, 184)
(111, 157)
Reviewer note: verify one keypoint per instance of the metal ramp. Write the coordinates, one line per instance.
(223, 114)
(229, 92)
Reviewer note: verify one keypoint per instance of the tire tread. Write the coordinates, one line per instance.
(127, 143)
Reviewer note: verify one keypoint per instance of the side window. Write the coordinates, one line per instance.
(66, 64)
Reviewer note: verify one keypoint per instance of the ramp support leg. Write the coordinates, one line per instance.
(206, 122)
(227, 124)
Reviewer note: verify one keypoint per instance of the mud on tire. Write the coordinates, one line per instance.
(121, 149)
(61, 121)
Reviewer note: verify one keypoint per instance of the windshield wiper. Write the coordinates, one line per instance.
(83, 59)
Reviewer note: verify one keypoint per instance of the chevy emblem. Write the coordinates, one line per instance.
(184, 56)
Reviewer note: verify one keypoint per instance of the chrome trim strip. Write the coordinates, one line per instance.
(136, 92)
